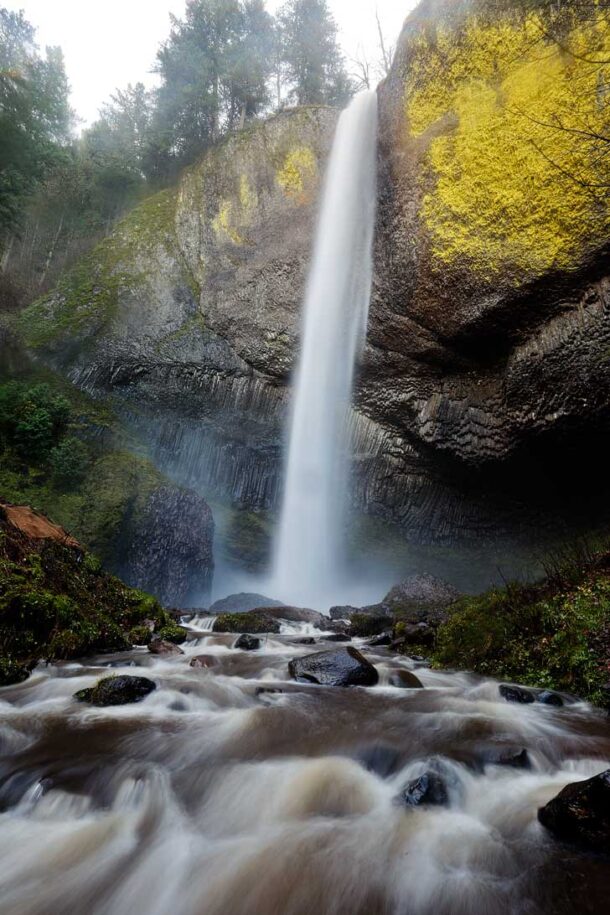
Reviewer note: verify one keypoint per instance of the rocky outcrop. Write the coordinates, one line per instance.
(172, 553)
(483, 397)
(490, 323)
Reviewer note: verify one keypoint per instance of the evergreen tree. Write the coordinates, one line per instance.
(214, 69)
(313, 61)
(35, 116)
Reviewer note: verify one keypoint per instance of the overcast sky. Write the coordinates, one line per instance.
(111, 43)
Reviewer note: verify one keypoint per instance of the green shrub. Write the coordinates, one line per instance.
(32, 418)
(68, 462)
(140, 635)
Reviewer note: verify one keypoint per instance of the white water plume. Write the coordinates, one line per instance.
(309, 560)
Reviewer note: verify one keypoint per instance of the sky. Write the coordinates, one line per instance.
(112, 43)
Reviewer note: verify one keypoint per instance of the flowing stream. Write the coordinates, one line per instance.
(309, 561)
(232, 790)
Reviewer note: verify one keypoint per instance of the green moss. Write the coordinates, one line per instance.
(87, 296)
(364, 625)
(55, 603)
(550, 635)
(253, 622)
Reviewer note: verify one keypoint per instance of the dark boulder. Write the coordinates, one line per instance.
(307, 640)
(427, 790)
(365, 625)
(327, 625)
(341, 667)
(248, 642)
(337, 637)
(342, 613)
(252, 621)
(241, 603)
(404, 679)
(580, 814)
(548, 697)
(380, 758)
(164, 647)
(516, 694)
(515, 757)
(116, 691)
(381, 641)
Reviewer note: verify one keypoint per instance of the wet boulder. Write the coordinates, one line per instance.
(242, 603)
(405, 679)
(514, 757)
(253, 621)
(206, 661)
(306, 640)
(580, 814)
(341, 667)
(382, 759)
(337, 637)
(381, 641)
(365, 625)
(248, 642)
(164, 648)
(516, 694)
(427, 790)
(342, 613)
(548, 697)
(116, 691)
(294, 614)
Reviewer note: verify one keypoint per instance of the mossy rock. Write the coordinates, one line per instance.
(253, 622)
(364, 625)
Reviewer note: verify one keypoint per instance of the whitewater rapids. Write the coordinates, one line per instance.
(234, 791)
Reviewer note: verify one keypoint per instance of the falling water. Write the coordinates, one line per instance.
(308, 553)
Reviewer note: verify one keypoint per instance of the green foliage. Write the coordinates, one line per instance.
(546, 635)
(55, 603)
(364, 625)
(172, 632)
(34, 113)
(214, 69)
(68, 462)
(254, 622)
(140, 635)
(32, 419)
(311, 56)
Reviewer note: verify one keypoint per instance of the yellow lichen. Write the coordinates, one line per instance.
(510, 111)
(235, 214)
(298, 175)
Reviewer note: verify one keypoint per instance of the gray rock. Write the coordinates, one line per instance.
(247, 642)
(163, 647)
(242, 603)
(341, 667)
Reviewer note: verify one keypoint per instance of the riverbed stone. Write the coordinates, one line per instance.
(164, 647)
(427, 790)
(405, 679)
(247, 642)
(580, 814)
(116, 691)
(516, 694)
(341, 667)
(548, 697)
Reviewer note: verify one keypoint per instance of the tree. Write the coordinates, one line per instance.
(214, 69)
(313, 61)
(35, 117)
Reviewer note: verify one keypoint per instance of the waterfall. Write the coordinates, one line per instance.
(309, 556)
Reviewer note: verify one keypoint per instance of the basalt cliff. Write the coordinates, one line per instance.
(483, 397)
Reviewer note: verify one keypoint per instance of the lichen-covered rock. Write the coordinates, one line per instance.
(342, 667)
(117, 691)
(580, 814)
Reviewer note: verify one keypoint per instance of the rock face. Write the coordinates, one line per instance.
(343, 667)
(241, 603)
(172, 553)
(491, 304)
(485, 381)
(580, 814)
